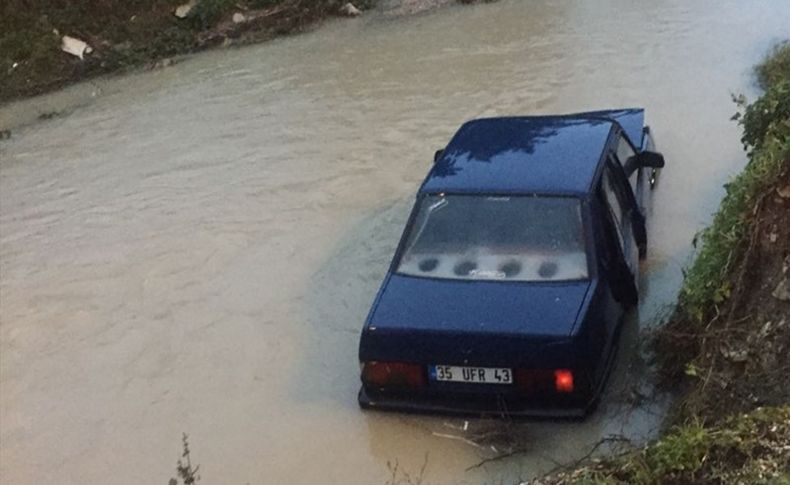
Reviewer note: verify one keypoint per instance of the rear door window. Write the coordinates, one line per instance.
(487, 237)
(613, 204)
(621, 207)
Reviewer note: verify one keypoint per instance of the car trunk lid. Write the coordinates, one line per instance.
(509, 324)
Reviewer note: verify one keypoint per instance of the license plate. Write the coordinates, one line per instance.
(471, 375)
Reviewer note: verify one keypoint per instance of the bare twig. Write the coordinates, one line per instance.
(459, 438)
(497, 458)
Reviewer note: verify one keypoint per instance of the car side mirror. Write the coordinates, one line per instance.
(438, 155)
(649, 159)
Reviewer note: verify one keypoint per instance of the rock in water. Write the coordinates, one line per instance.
(239, 18)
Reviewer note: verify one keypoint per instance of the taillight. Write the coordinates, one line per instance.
(393, 374)
(537, 381)
(563, 380)
(534, 381)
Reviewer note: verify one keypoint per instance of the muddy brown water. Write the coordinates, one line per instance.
(195, 249)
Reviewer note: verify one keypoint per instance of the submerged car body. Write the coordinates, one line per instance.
(515, 269)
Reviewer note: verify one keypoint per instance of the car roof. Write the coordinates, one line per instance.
(528, 154)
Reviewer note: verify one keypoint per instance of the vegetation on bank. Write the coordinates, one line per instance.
(716, 286)
(728, 342)
(765, 126)
(131, 33)
(747, 449)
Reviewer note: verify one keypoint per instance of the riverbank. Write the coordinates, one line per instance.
(120, 35)
(727, 345)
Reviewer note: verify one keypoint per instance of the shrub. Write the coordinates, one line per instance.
(775, 67)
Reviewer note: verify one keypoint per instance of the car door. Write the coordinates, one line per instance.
(619, 207)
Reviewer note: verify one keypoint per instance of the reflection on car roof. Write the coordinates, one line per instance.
(548, 155)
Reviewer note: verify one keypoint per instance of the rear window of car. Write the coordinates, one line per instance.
(476, 237)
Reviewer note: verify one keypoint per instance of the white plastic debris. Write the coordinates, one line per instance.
(350, 10)
(735, 355)
(75, 47)
(183, 10)
(782, 291)
(239, 18)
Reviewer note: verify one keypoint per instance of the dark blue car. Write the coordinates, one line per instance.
(519, 260)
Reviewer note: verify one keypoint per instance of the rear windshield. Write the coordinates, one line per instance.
(475, 237)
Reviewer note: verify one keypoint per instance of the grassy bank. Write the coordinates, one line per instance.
(727, 345)
(131, 33)
(727, 291)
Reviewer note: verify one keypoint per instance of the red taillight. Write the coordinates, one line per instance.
(533, 381)
(393, 374)
(563, 380)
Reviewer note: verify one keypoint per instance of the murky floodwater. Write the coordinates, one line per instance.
(195, 249)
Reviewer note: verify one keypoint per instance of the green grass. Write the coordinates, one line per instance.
(766, 125)
(708, 282)
(749, 449)
(775, 67)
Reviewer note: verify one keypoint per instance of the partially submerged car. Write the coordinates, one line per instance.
(519, 260)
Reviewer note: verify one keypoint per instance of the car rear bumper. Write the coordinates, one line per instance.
(472, 405)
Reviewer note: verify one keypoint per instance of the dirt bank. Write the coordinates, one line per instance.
(728, 342)
(124, 35)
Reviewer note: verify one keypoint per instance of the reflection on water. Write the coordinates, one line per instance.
(195, 249)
